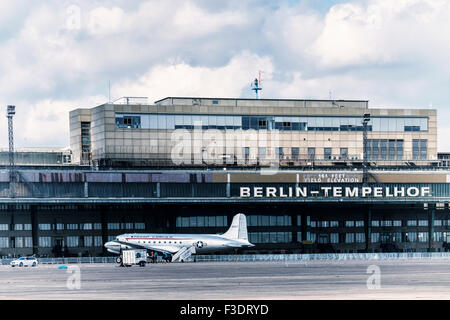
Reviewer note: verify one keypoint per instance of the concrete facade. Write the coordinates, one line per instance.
(138, 145)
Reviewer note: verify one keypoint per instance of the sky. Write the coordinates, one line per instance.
(58, 55)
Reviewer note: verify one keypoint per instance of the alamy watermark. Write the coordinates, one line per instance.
(226, 147)
(74, 280)
(374, 280)
(73, 17)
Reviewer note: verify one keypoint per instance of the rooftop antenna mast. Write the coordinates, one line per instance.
(10, 112)
(256, 85)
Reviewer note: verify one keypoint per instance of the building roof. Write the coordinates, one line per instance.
(252, 99)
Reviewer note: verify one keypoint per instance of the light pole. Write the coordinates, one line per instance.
(366, 119)
(10, 112)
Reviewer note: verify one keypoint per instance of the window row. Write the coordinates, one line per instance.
(15, 227)
(324, 224)
(16, 242)
(335, 224)
(384, 149)
(396, 237)
(297, 123)
(268, 221)
(69, 226)
(417, 223)
(270, 237)
(201, 221)
(375, 237)
(386, 223)
(83, 241)
(126, 226)
(46, 242)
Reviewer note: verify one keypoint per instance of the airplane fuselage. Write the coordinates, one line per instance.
(203, 243)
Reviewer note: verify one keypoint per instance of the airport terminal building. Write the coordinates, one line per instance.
(310, 175)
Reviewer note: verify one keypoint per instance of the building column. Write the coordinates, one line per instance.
(104, 221)
(368, 230)
(34, 228)
(303, 227)
(228, 186)
(86, 189)
(431, 214)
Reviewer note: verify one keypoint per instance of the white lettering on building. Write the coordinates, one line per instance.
(334, 192)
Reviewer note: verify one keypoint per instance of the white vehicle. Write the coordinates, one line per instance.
(134, 257)
(182, 246)
(25, 262)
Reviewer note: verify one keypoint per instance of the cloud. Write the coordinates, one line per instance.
(48, 121)
(382, 32)
(182, 79)
(56, 56)
(104, 21)
(193, 21)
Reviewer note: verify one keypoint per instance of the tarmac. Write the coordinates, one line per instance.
(342, 280)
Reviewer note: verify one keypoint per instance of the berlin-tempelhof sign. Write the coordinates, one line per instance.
(334, 192)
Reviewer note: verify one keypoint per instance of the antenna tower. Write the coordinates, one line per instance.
(256, 84)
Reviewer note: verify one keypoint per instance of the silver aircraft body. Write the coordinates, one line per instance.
(236, 237)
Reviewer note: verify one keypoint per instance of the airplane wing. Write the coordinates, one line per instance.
(167, 249)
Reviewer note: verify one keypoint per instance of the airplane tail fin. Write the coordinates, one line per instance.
(238, 228)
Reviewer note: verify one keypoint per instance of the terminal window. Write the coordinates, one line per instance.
(327, 153)
(384, 149)
(201, 221)
(139, 225)
(87, 241)
(311, 153)
(375, 237)
(113, 226)
(334, 237)
(72, 241)
(423, 223)
(45, 242)
(270, 237)
(128, 121)
(244, 122)
(86, 226)
(349, 223)
(411, 223)
(419, 149)
(422, 236)
(360, 237)
(4, 242)
(45, 226)
(98, 242)
(295, 153)
(24, 242)
(349, 238)
(437, 223)
(391, 237)
(268, 221)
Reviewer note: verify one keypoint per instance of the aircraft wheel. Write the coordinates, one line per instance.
(119, 260)
(142, 264)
